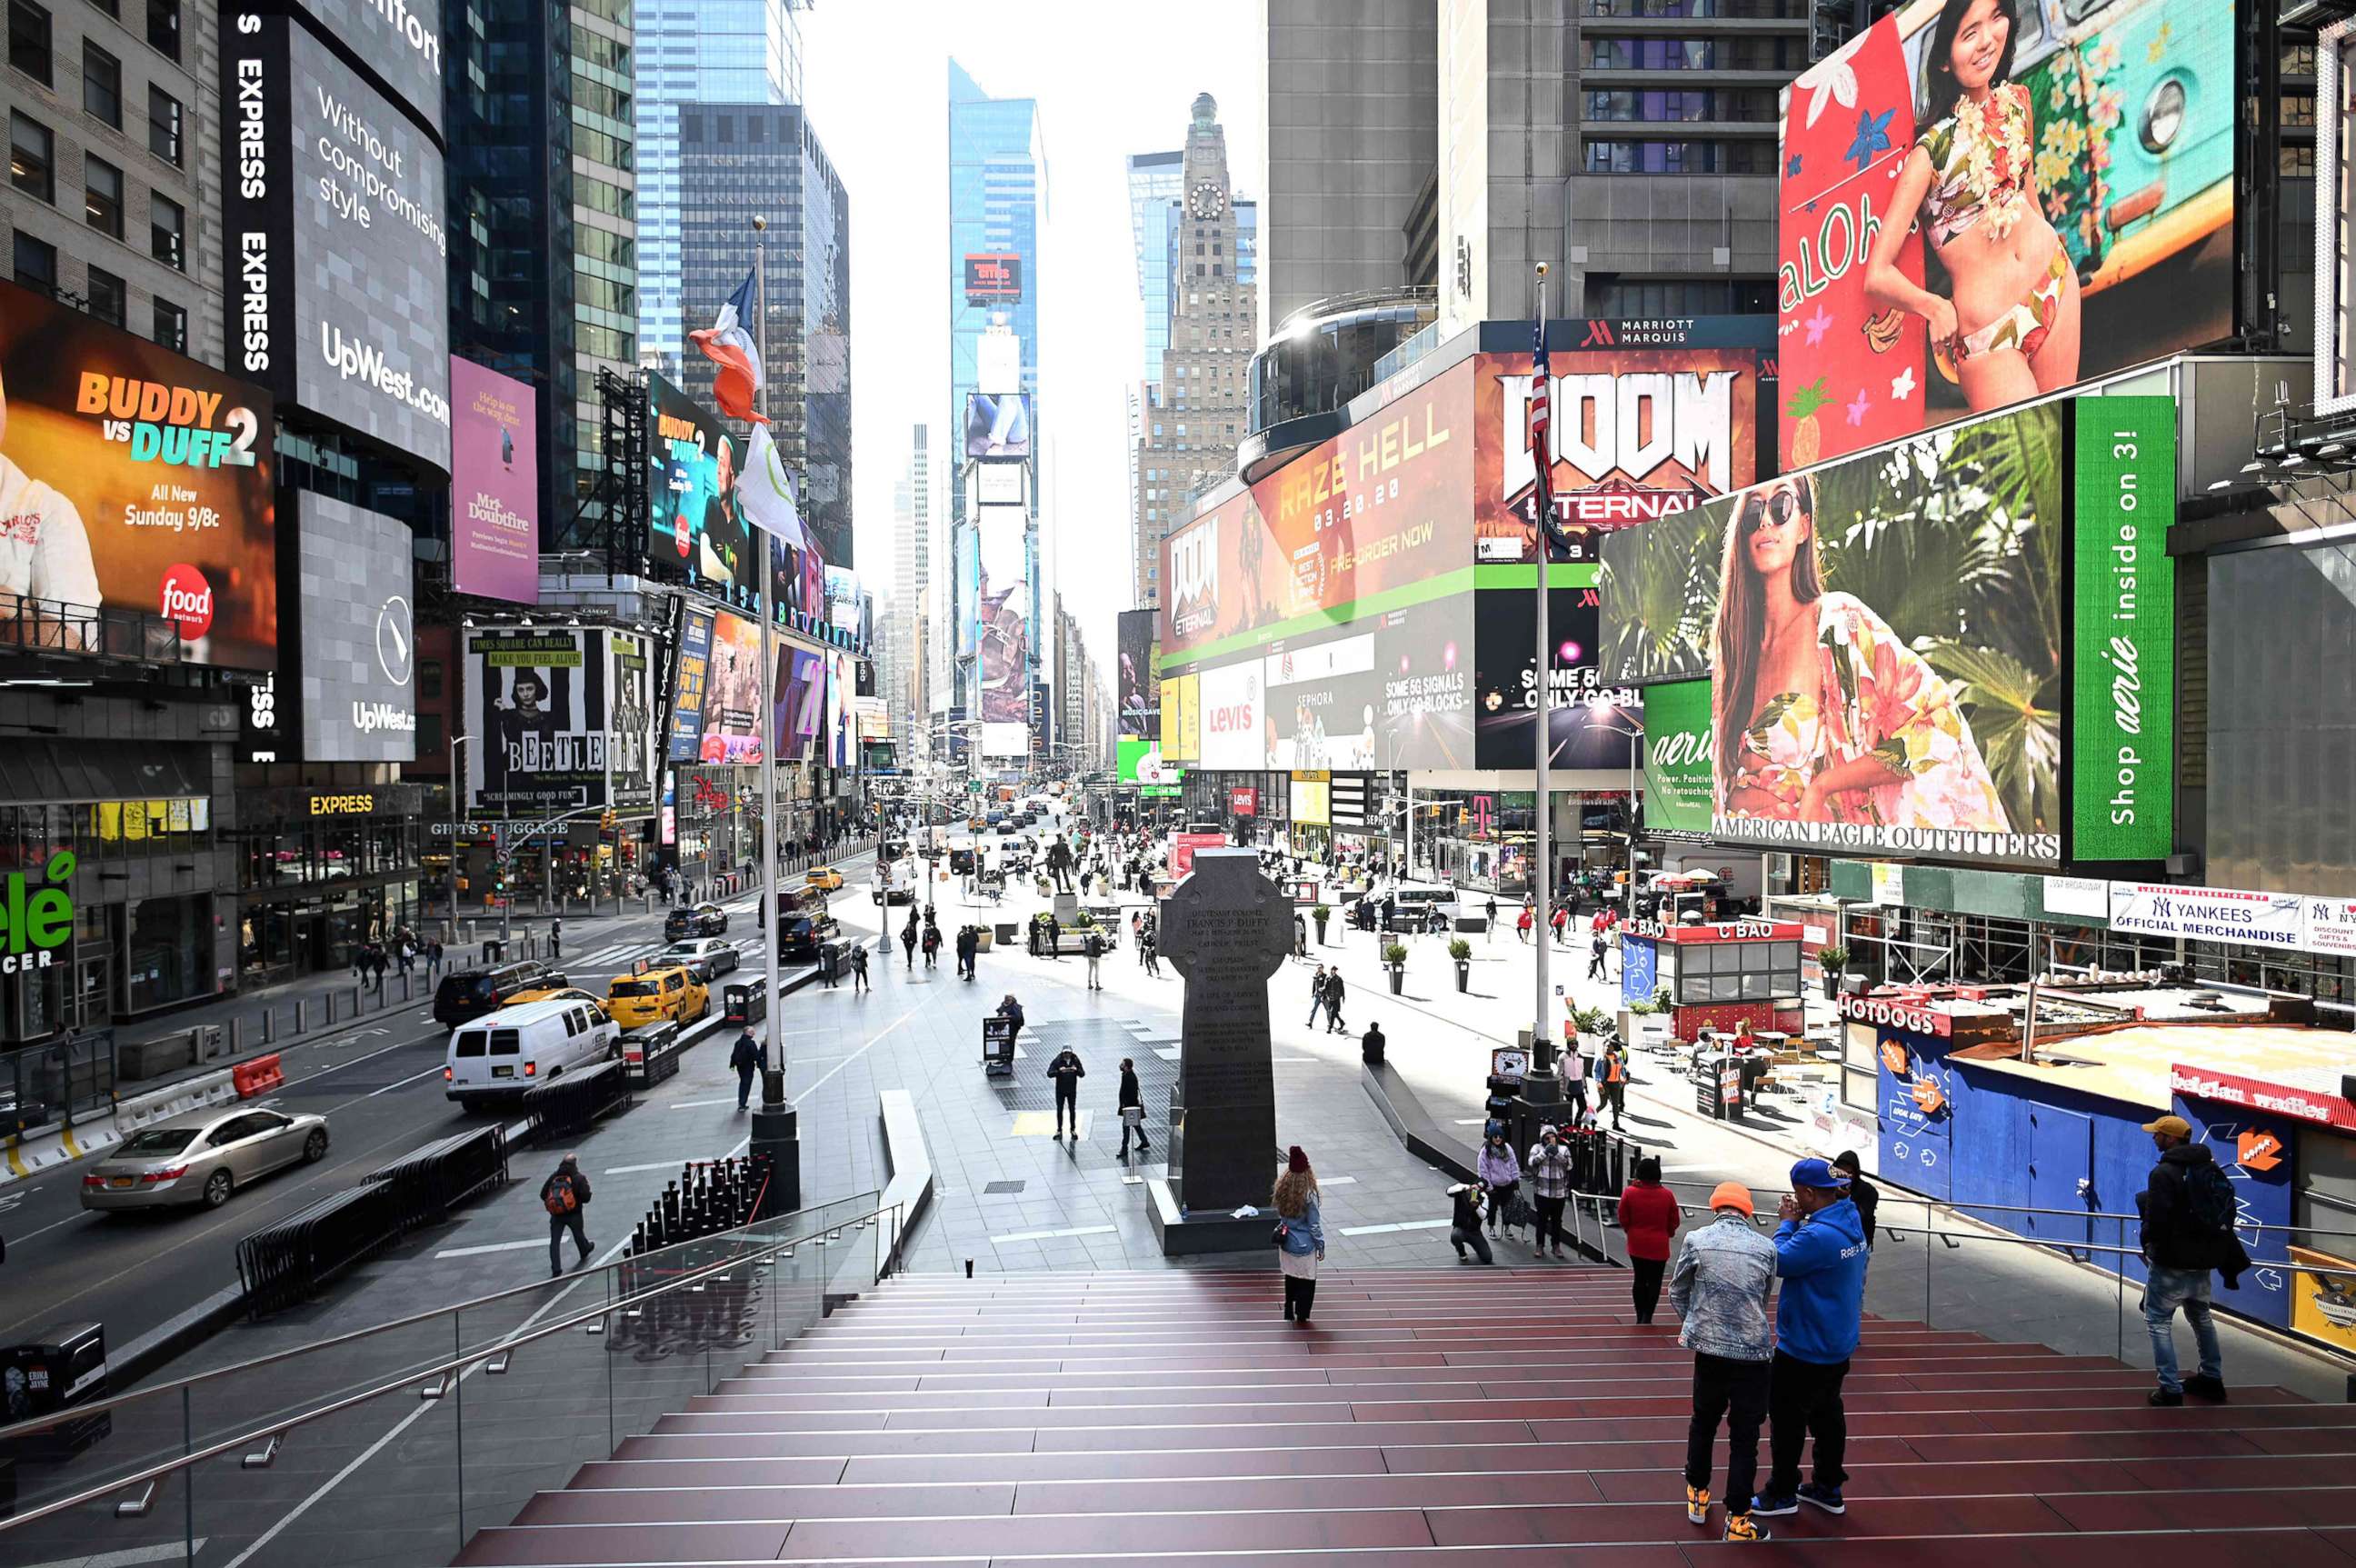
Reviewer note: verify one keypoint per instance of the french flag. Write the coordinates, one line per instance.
(728, 343)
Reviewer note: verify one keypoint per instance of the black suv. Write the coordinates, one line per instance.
(466, 994)
(703, 920)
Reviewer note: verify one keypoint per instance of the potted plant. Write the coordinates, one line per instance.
(1395, 961)
(1319, 915)
(1832, 960)
(1462, 951)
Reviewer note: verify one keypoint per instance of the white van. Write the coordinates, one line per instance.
(498, 1055)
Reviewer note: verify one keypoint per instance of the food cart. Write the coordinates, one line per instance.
(1717, 975)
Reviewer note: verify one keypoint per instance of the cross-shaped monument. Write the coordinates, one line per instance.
(1227, 928)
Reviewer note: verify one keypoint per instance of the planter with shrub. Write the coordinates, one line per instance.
(1395, 961)
(1462, 951)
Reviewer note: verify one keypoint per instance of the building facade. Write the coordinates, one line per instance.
(903, 663)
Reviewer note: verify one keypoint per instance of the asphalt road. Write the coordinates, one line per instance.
(379, 1083)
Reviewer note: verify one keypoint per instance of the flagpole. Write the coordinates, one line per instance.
(1541, 386)
(773, 1079)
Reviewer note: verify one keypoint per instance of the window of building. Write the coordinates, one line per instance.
(32, 157)
(102, 84)
(167, 232)
(163, 27)
(1680, 157)
(28, 40)
(102, 195)
(171, 327)
(110, 297)
(164, 126)
(37, 263)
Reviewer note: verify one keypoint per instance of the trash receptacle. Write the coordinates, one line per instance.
(1007, 932)
(744, 1004)
(63, 1366)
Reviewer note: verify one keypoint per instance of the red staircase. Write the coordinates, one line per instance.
(1432, 1419)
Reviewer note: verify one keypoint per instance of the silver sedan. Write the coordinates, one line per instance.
(202, 1157)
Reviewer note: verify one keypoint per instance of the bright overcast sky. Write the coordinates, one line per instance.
(876, 74)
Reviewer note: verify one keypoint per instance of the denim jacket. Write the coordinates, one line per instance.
(1725, 1272)
(1305, 1234)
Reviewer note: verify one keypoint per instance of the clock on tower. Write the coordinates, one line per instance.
(1206, 200)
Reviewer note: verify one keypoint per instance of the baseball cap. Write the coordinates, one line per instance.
(1818, 1173)
(2174, 1126)
(1730, 1195)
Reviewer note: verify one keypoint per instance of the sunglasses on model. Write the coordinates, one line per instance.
(1772, 512)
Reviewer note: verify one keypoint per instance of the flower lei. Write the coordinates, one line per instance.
(1998, 194)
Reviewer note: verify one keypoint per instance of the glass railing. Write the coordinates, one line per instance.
(392, 1444)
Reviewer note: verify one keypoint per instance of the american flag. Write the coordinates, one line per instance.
(1541, 434)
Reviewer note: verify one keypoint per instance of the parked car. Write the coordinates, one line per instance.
(709, 957)
(824, 877)
(799, 937)
(202, 1157)
(671, 992)
(701, 920)
(1417, 904)
(500, 1056)
(465, 994)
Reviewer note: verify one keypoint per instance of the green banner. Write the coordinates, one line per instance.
(2123, 715)
(1679, 748)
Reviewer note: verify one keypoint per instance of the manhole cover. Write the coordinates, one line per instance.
(1004, 1186)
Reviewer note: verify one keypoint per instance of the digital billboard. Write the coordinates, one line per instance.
(1181, 718)
(1139, 688)
(1678, 752)
(542, 706)
(1974, 209)
(695, 525)
(993, 278)
(135, 481)
(1640, 432)
(336, 250)
(494, 485)
(732, 692)
(2335, 185)
(1584, 729)
(804, 709)
(1375, 510)
(690, 677)
(634, 713)
(1006, 632)
(400, 40)
(1883, 637)
(997, 426)
(2122, 713)
(358, 636)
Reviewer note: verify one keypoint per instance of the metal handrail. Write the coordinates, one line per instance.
(117, 1402)
(1902, 1196)
(453, 1369)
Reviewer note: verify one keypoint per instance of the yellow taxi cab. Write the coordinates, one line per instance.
(825, 877)
(555, 993)
(670, 994)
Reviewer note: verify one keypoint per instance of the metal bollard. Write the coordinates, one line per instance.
(269, 1025)
(303, 1005)
(237, 1035)
(356, 1002)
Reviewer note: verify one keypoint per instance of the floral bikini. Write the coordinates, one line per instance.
(1979, 173)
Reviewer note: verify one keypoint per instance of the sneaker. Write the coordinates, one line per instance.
(1826, 1497)
(1740, 1527)
(1697, 1504)
(1767, 1505)
(2202, 1387)
(2166, 1398)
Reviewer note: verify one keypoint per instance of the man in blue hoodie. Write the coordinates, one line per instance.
(1820, 1256)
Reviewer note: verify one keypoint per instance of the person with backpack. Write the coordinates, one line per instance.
(747, 1058)
(564, 1195)
(1067, 1071)
(2188, 1211)
(1501, 1173)
(1092, 945)
(1820, 1257)
(909, 941)
(859, 969)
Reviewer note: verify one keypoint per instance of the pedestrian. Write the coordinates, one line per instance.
(1490, 909)
(2188, 1210)
(909, 941)
(1054, 936)
(1137, 933)
(1522, 925)
(1092, 945)
(1316, 994)
(433, 959)
(1612, 1082)
(746, 1058)
(1011, 1008)
(1501, 1172)
(1549, 1174)
(932, 947)
(1648, 1216)
(1861, 1192)
(1334, 990)
(565, 1194)
(1465, 1221)
(1067, 1071)
(1133, 1108)
(556, 940)
(969, 945)
(1820, 1257)
(1152, 952)
(859, 969)
(1300, 937)
(1370, 1045)
(1561, 923)
(1724, 1274)
(378, 964)
(1299, 1235)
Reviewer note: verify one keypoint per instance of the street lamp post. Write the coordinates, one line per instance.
(457, 811)
(1541, 1048)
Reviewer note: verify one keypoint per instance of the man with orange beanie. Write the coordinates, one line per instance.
(1725, 1273)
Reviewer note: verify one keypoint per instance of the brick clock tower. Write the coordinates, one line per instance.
(1193, 419)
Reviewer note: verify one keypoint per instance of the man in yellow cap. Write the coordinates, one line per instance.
(2188, 1211)
(1725, 1272)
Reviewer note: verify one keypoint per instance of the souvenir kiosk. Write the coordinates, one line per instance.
(1717, 976)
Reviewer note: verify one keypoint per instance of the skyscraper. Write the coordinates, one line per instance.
(904, 662)
(708, 51)
(1154, 191)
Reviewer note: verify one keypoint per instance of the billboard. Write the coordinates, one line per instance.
(634, 713)
(1138, 761)
(1139, 685)
(1378, 508)
(494, 485)
(993, 277)
(1678, 753)
(542, 706)
(1883, 638)
(1005, 631)
(997, 426)
(1639, 432)
(1234, 716)
(2335, 257)
(400, 39)
(1966, 223)
(338, 298)
(1181, 730)
(695, 525)
(134, 479)
(732, 692)
(1584, 729)
(2123, 712)
(690, 676)
(802, 711)
(358, 637)
(1002, 484)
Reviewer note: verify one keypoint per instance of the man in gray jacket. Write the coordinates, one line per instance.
(1725, 1272)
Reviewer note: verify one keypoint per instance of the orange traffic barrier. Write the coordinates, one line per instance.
(259, 1076)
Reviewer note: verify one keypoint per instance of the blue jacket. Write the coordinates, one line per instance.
(1821, 1261)
(1306, 1234)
